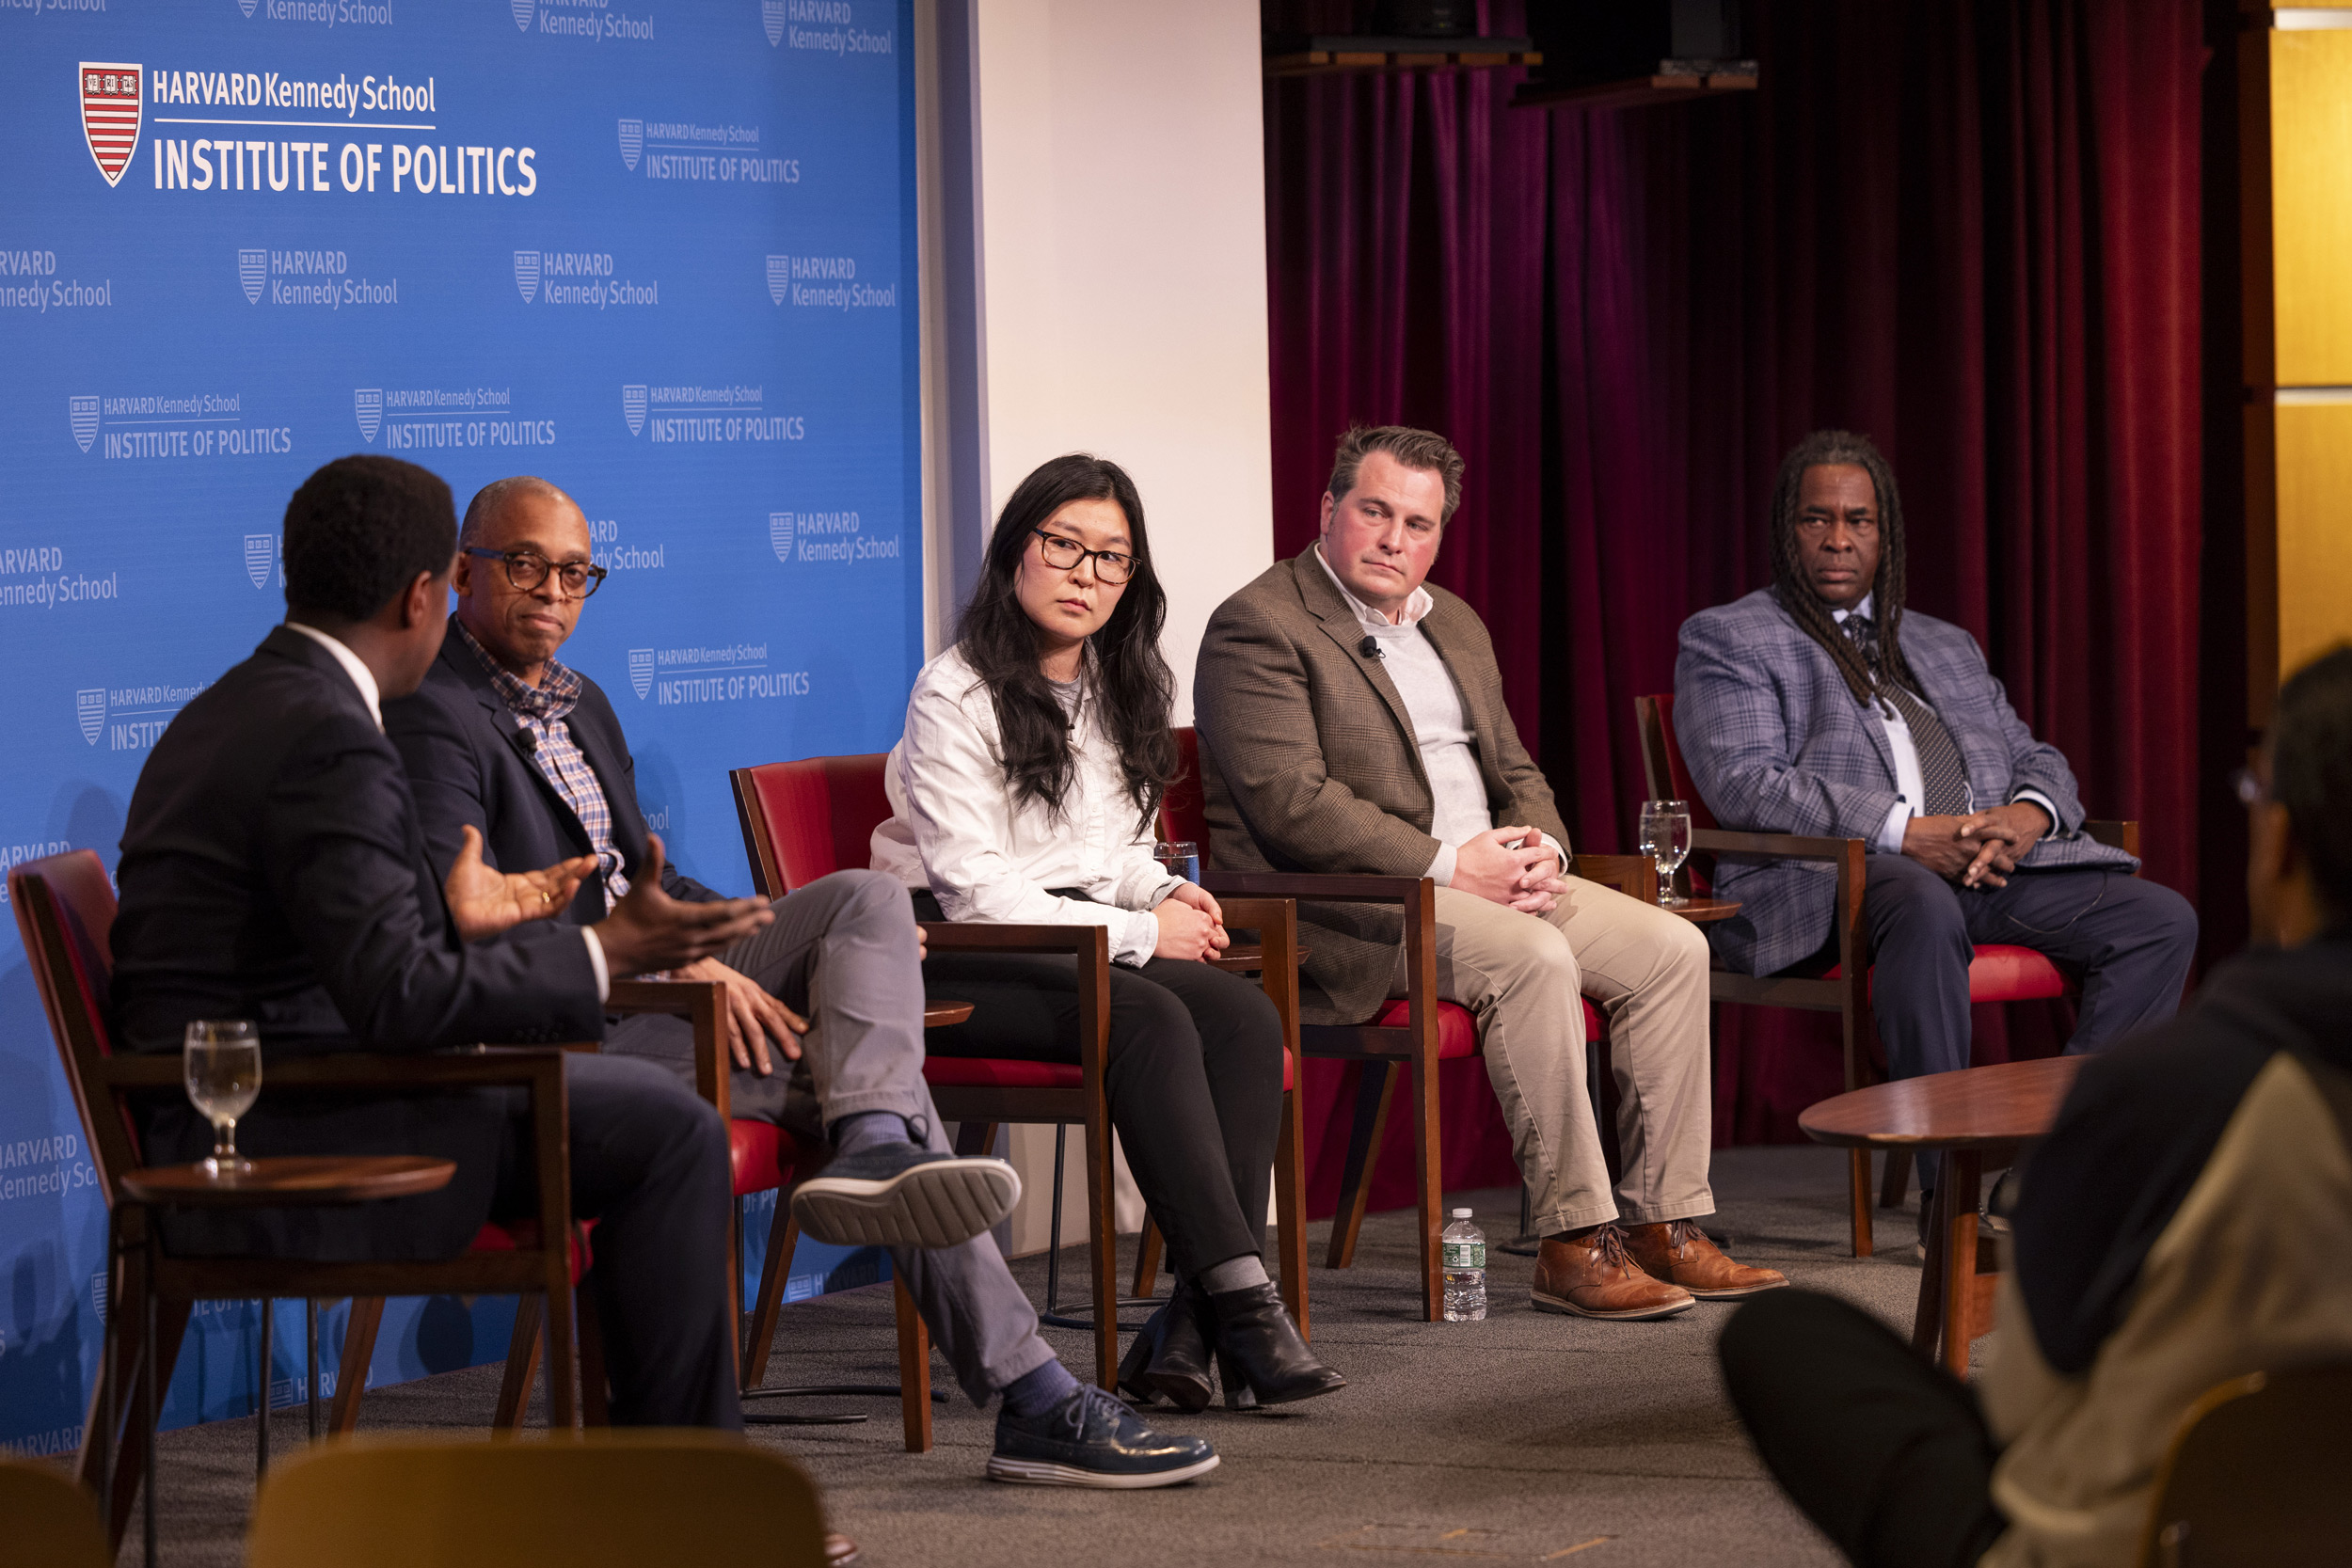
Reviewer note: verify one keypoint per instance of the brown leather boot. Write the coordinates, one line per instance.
(1680, 1251)
(1593, 1277)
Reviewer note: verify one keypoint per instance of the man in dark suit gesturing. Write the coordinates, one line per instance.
(507, 747)
(273, 869)
(1823, 705)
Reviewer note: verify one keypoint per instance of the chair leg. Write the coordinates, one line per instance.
(974, 1139)
(1373, 1089)
(914, 1370)
(522, 1363)
(1147, 1258)
(1290, 1203)
(130, 1445)
(782, 1236)
(1428, 1185)
(351, 1374)
(595, 1403)
(563, 1358)
(1102, 1249)
(1896, 1185)
(1858, 1195)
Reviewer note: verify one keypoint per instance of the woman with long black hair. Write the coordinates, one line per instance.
(1024, 790)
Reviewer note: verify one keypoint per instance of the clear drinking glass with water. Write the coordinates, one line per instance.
(221, 1064)
(1666, 839)
(1181, 859)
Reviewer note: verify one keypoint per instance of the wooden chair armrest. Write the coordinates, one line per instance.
(2124, 835)
(1635, 875)
(979, 936)
(704, 1003)
(1303, 885)
(528, 1066)
(1786, 847)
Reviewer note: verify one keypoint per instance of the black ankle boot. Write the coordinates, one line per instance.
(1254, 1333)
(1179, 1367)
(1139, 1355)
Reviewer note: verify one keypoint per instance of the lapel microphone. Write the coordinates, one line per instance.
(525, 741)
(1370, 648)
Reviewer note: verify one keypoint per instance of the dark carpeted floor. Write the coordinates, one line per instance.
(1524, 1438)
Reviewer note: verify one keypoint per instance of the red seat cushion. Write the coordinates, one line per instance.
(2000, 972)
(764, 1156)
(516, 1235)
(1001, 1073)
(1458, 1032)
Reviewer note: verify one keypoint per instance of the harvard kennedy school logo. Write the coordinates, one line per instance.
(111, 100)
(633, 408)
(780, 535)
(82, 412)
(527, 275)
(632, 142)
(639, 671)
(367, 406)
(89, 706)
(252, 272)
(261, 554)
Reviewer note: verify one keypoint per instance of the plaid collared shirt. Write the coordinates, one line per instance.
(542, 710)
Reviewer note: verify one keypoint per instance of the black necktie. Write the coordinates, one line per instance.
(1941, 770)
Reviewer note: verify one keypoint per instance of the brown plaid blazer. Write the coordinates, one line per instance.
(1308, 763)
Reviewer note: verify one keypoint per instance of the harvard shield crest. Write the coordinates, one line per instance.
(779, 278)
(632, 142)
(640, 671)
(89, 710)
(112, 98)
(261, 554)
(633, 407)
(367, 406)
(780, 535)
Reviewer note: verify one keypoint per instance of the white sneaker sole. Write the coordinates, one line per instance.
(942, 1203)
(1040, 1472)
(1554, 1304)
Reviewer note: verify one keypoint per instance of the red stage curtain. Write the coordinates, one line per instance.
(1970, 232)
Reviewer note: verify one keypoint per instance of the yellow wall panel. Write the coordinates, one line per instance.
(2311, 159)
(2314, 531)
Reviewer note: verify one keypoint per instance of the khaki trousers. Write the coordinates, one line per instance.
(1645, 969)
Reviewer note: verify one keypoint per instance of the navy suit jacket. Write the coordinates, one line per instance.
(469, 763)
(1777, 744)
(274, 868)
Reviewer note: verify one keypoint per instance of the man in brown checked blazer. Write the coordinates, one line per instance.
(1351, 720)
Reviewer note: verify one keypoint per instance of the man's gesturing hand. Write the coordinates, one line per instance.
(754, 1016)
(1486, 866)
(484, 901)
(649, 930)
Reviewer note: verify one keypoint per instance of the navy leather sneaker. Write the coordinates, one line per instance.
(1091, 1439)
(903, 1194)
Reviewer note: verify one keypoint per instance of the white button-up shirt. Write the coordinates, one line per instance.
(1911, 784)
(954, 828)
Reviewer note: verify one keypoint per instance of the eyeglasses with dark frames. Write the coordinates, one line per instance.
(528, 569)
(1063, 554)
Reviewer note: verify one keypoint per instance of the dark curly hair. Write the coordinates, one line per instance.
(1796, 595)
(1132, 685)
(359, 531)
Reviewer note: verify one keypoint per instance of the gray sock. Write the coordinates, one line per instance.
(1234, 1274)
(868, 1128)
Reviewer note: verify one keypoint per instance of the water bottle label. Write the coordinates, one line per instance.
(1465, 1254)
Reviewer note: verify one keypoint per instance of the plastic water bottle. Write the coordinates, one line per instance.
(1465, 1259)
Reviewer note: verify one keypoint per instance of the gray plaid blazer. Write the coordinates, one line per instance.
(1776, 744)
(1308, 763)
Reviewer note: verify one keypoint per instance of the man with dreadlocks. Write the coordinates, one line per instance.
(1821, 706)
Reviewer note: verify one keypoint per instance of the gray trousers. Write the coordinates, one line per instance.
(2130, 939)
(842, 954)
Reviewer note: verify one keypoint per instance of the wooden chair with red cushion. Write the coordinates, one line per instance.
(1405, 1040)
(1999, 973)
(806, 819)
(65, 912)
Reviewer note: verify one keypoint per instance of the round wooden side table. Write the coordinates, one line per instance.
(1975, 1115)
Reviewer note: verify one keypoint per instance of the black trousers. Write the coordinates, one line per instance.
(1886, 1452)
(1194, 1078)
(2131, 940)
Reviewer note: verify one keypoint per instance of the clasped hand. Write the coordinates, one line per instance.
(1511, 866)
(1979, 850)
(1192, 926)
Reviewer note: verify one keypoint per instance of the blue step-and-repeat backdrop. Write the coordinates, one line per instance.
(660, 252)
